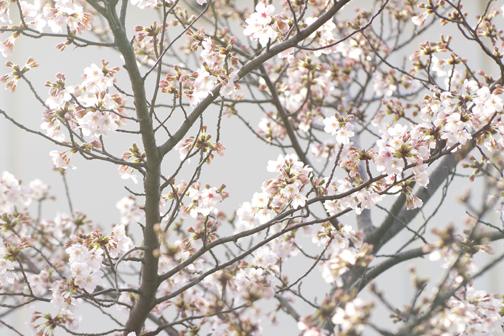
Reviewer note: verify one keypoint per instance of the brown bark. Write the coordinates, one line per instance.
(149, 277)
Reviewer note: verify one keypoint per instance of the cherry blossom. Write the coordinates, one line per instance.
(62, 160)
(32, 10)
(67, 13)
(383, 87)
(6, 268)
(419, 20)
(351, 317)
(7, 46)
(4, 12)
(324, 35)
(259, 24)
(278, 192)
(341, 127)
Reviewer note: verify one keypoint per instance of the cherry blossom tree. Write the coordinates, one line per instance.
(368, 123)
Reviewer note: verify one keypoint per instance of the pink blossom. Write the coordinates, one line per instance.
(419, 20)
(298, 200)
(210, 197)
(130, 211)
(67, 13)
(344, 134)
(4, 12)
(231, 85)
(258, 24)
(265, 215)
(126, 172)
(331, 125)
(263, 12)
(62, 160)
(352, 316)
(7, 46)
(32, 10)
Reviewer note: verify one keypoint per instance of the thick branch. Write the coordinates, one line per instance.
(149, 277)
(393, 224)
(389, 263)
(287, 307)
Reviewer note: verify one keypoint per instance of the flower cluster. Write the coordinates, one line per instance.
(450, 111)
(262, 26)
(266, 259)
(307, 80)
(457, 251)
(88, 107)
(67, 13)
(364, 198)
(129, 209)
(343, 236)
(276, 193)
(202, 143)
(67, 318)
(480, 312)
(173, 255)
(348, 313)
(87, 253)
(7, 46)
(325, 36)
(419, 20)
(270, 129)
(134, 154)
(203, 201)
(353, 316)
(398, 148)
(214, 70)
(341, 127)
(12, 193)
(253, 284)
(383, 84)
(4, 11)
(324, 150)
(344, 257)
(469, 312)
(32, 11)
(39, 283)
(85, 266)
(8, 254)
(62, 160)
